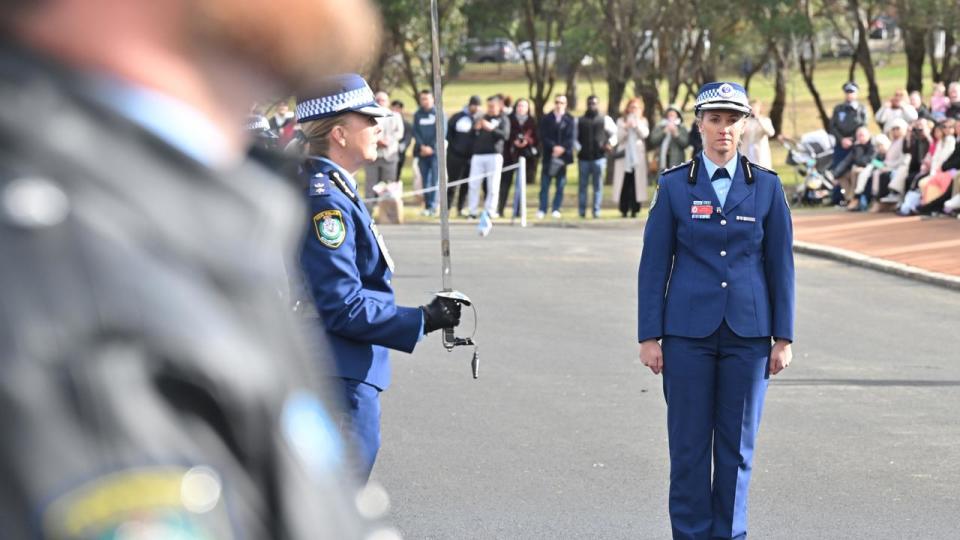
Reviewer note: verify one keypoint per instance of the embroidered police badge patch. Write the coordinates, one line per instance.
(330, 228)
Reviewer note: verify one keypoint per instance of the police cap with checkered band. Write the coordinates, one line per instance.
(338, 95)
(725, 96)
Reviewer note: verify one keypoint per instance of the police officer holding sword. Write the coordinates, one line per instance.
(346, 267)
(716, 310)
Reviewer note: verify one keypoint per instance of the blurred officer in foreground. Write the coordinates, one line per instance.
(153, 384)
(719, 233)
(346, 265)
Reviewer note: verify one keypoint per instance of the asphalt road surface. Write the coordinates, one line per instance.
(564, 435)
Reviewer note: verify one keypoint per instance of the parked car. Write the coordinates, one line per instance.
(491, 50)
(544, 52)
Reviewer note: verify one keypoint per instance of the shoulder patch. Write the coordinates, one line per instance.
(330, 228)
(171, 502)
(653, 201)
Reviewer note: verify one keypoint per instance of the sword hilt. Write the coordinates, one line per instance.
(449, 338)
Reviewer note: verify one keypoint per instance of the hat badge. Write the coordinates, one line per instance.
(725, 90)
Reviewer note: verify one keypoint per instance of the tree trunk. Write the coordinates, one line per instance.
(806, 71)
(950, 70)
(571, 86)
(616, 87)
(780, 88)
(914, 44)
(941, 70)
(754, 69)
(863, 57)
(376, 71)
(647, 90)
(851, 73)
(408, 71)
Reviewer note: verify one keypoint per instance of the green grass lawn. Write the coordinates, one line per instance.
(800, 115)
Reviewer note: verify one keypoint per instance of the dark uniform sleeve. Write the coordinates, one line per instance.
(656, 263)
(346, 307)
(778, 264)
(129, 401)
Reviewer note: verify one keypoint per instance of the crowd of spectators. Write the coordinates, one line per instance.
(911, 165)
(487, 137)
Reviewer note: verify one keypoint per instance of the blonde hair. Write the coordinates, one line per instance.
(317, 133)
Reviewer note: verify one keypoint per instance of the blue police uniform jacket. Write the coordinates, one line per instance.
(702, 263)
(347, 272)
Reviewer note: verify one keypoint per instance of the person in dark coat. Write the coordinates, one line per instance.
(523, 143)
(557, 136)
(460, 135)
(155, 381)
(846, 119)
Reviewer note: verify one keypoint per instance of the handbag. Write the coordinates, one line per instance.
(555, 165)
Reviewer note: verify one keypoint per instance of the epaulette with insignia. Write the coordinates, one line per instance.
(677, 167)
(342, 184)
(320, 185)
(760, 167)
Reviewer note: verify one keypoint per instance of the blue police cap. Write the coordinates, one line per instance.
(726, 96)
(340, 94)
(850, 87)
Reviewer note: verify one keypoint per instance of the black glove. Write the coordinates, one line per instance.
(441, 312)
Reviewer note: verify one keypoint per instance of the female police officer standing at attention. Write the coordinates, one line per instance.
(716, 283)
(346, 266)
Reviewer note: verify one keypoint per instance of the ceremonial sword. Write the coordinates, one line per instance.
(450, 340)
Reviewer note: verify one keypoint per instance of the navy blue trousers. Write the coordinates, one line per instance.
(714, 387)
(359, 424)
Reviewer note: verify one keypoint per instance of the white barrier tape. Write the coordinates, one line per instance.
(387, 197)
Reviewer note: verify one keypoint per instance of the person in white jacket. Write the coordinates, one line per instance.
(384, 169)
(755, 143)
(897, 107)
(630, 165)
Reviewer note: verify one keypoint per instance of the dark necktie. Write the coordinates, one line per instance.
(720, 173)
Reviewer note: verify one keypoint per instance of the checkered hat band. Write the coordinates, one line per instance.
(713, 95)
(330, 105)
(257, 123)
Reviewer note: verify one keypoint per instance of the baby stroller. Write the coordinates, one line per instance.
(811, 158)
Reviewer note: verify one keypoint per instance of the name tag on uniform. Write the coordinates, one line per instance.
(748, 219)
(382, 245)
(701, 210)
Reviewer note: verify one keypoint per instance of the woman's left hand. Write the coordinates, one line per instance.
(780, 356)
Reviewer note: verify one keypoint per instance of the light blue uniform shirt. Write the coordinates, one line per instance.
(721, 185)
(177, 123)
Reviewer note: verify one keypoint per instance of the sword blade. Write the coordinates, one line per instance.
(441, 152)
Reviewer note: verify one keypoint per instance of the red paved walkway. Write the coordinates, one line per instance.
(929, 243)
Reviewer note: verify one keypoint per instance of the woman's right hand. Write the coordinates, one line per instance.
(652, 355)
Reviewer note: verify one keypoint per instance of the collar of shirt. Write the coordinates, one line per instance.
(730, 166)
(173, 121)
(346, 175)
